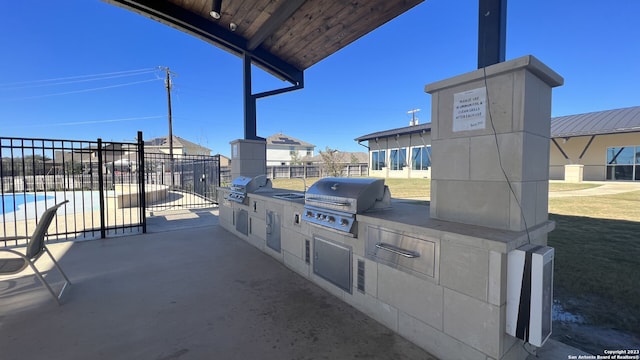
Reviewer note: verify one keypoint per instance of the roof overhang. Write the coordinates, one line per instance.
(283, 37)
(608, 122)
(407, 130)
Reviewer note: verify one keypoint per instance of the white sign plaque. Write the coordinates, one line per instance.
(234, 151)
(469, 110)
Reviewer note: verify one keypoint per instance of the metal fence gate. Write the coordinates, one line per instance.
(109, 186)
(191, 180)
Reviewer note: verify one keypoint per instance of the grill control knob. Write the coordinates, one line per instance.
(332, 219)
(309, 214)
(344, 222)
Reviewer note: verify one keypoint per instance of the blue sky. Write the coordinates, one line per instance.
(368, 86)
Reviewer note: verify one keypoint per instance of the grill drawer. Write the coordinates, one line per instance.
(410, 254)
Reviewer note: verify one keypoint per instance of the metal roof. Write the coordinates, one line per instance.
(597, 123)
(421, 128)
(284, 37)
(594, 123)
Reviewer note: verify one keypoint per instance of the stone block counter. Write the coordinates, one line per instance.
(454, 306)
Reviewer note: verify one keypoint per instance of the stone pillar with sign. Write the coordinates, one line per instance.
(490, 145)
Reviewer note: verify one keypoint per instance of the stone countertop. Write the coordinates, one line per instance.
(415, 217)
(271, 192)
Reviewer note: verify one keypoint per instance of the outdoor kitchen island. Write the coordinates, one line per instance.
(440, 284)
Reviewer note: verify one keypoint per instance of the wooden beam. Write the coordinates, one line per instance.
(274, 22)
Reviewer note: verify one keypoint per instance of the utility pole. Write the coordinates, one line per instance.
(413, 117)
(167, 83)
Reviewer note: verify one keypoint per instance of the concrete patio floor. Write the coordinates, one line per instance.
(193, 292)
(188, 289)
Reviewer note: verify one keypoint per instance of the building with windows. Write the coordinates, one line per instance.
(285, 150)
(603, 145)
(597, 146)
(400, 153)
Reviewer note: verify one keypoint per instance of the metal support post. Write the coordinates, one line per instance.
(141, 184)
(101, 188)
(250, 128)
(492, 34)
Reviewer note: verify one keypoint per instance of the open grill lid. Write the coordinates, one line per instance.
(353, 195)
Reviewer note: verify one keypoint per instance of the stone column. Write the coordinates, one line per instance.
(488, 123)
(574, 173)
(248, 158)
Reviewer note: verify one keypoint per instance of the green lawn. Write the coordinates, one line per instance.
(597, 242)
(399, 188)
(597, 269)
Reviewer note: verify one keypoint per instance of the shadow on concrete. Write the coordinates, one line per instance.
(196, 293)
(181, 219)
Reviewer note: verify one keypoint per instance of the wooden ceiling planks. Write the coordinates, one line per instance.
(307, 24)
(264, 11)
(339, 35)
(325, 27)
(300, 34)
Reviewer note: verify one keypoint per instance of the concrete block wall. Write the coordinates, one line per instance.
(248, 158)
(460, 313)
(468, 182)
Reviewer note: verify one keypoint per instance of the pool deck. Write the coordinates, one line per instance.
(188, 290)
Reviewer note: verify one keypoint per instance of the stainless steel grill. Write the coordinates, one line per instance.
(242, 185)
(334, 202)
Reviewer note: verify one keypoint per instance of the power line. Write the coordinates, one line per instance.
(81, 76)
(2, 87)
(83, 90)
(89, 122)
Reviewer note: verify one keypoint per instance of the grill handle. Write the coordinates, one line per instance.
(396, 250)
(328, 202)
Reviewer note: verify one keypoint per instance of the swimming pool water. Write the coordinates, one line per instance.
(10, 202)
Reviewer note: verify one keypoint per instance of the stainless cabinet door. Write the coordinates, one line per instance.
(332, 262)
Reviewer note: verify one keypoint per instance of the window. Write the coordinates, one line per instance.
(421, 158)
(398, 158)
(378, 159)
(623, 163)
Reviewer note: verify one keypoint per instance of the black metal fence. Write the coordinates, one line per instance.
(191, 180)
(99, 179)
(109, 186)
